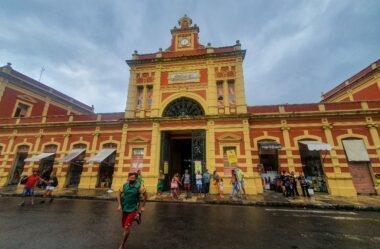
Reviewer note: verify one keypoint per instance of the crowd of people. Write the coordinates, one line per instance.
(47, 182)
(202, 183)
(288, 184)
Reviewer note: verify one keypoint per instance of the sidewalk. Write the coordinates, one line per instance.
(318, 201)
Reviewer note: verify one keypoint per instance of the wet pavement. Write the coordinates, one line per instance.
(268, 198)
(96, 224)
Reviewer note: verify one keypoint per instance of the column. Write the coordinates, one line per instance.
(288, 146)
(5, 175)
(119, 175)
(253, 179)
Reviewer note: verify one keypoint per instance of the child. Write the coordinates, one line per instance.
(160, 184)
(174, 186)
(220, 183)
(198, 181)
(51, 184)
(186, 180)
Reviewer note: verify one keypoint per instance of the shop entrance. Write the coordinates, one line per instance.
(18, 168)
(181, 150)
(269, 165)
(312, 167)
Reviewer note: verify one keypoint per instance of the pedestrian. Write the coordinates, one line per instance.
(198, 182)
(294, 183)
(304, 185)
(235, 185)
(160, 183)
(215, 180)
(52, 183)
(240, 178)
(220, 189)
(139, 176)
(186, 180)
(287, 185)
(129, 202)
(174, 185)
(206, 182)
(30, 184)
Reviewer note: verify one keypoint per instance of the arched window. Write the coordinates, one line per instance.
(79, 146)
(183, 107)
(50, 148)
(23, 148)
(110, 146)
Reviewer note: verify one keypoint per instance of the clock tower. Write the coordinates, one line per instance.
(185, 37)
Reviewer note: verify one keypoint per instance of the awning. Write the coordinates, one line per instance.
(72, 154)
(38, 157)
(101, 156)
(316, 145)
(270, 146)
(355, 150)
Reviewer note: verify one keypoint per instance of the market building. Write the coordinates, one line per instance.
(186, 109)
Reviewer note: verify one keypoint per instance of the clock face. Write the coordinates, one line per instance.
(184, 41)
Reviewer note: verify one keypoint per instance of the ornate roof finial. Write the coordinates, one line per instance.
(185, 22)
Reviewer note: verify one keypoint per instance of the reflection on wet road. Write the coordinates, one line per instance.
(96, 224)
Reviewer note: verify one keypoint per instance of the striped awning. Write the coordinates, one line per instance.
(101, 156)
(316, 145)
(72, 155)
(39, 157)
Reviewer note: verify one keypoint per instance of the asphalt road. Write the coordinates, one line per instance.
(96, 224)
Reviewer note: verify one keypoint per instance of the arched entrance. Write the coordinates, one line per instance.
(76, 166)
(269, 163)
(183, 107)
(312, 165)
(107, 167)
(18, 165)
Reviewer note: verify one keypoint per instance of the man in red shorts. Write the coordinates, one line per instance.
(129, 203)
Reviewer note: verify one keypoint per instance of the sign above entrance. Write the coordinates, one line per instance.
(184, 77)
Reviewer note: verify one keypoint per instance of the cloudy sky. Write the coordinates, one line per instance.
(295, 49)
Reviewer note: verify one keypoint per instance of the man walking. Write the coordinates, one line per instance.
(30, 184)
(206, 182)
(240, 178)
(130, 205)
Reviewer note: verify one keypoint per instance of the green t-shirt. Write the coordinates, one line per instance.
(206, 177)
(130, 196)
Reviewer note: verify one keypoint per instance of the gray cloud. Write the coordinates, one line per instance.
(295, 49)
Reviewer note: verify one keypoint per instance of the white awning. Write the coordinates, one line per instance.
(38, 157)
(355, 150)
(101, 156)
(316, 145)
(72, 154)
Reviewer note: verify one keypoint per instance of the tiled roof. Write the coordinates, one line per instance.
(351, 80)
(42, 88)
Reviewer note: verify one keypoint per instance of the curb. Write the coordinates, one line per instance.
(345, 207)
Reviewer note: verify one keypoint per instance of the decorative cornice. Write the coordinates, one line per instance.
(183, 58)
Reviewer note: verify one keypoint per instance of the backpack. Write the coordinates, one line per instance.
(23, 180)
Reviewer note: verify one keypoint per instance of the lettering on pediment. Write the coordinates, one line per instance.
(138, 140)
(184, 77)
(229, 137)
